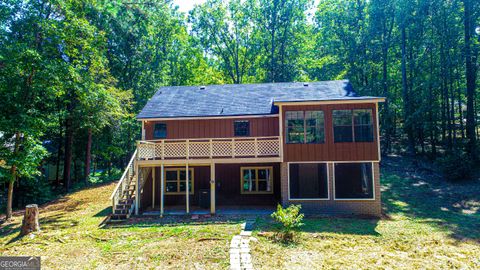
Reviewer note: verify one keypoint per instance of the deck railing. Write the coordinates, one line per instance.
(209, 148)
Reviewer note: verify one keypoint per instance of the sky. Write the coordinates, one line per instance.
(187, 5)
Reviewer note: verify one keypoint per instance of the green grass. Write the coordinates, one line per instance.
(72, 239)
(428, 224)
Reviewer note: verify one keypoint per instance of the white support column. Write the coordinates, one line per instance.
(212, 188)
(137, 191)
(187, 193)
(161, 189)
(153, 188)
(143, 130)
(280, 124)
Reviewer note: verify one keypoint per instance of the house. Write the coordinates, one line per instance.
(255, 145)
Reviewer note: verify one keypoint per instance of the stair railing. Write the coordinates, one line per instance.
(124, 182)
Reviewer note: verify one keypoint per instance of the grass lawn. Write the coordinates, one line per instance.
(72, 239)
(428, 224)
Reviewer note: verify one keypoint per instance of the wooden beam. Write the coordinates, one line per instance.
(207, 162)
(212, 188)
(161, 189)
(137, 190)
(153, 188)
(187, 193)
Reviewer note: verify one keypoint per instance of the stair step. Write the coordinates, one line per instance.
(122, 206)
(119, 217)
(121, 211)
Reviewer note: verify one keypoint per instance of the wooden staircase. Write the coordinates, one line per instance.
(124, 196)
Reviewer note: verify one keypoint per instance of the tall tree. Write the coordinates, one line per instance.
(470, 77)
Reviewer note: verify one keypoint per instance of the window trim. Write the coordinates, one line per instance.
(309, 199)
(249, 129)
(354, 199)
(353, 125)
(190, 175)
(305, 127)
(166, 131)
(256, 168)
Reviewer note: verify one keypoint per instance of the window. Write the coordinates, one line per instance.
(314, 127)
(353, 125)
(342, 126)
(256, 180)
(308, 181)
(160, 131)
(305, 127)
(241, 128)
(353, 181)
(175, 181)
(295, 126)
(362, 120)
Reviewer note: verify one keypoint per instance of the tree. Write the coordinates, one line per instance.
(281, 25)
(470, 78)
(226, 32)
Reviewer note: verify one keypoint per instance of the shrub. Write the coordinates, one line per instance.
(455, 166)
(289, 220)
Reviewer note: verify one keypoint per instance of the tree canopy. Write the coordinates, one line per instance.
(73, 74)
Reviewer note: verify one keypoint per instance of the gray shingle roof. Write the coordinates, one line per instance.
(241, 99)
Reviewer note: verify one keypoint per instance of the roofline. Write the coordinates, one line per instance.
(332, 101)
(243, 116)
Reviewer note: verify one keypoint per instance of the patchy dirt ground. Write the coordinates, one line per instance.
(428, 224)
(72, 239)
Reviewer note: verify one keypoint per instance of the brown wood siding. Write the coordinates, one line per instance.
(330, 151)
(213, 128)
(227, 187)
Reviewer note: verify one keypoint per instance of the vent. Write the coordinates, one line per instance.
(202, 87)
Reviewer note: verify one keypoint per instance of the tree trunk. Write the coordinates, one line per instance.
(10, 194)
(30, 220)
(88, 155)
(406, 98)
(470, 76)
(13, 178)
(68, 154)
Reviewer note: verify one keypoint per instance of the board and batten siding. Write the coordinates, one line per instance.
(329, 150)
(213, 128)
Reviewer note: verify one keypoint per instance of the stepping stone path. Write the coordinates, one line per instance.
(240, 258)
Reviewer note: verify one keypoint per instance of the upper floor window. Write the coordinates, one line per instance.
(353, 125)
(160, 131)
(305, 126)
(241, 128)
(362, 121)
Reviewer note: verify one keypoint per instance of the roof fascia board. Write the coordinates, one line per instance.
(322, 102)
(208, 117)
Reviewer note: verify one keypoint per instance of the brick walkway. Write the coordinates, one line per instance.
(240, 258)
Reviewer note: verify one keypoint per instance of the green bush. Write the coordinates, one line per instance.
(289, 220)
(456, 166)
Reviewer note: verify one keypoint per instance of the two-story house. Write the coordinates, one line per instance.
(250, 145)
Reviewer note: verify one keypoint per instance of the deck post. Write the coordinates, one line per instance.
(153, 188)
(212, 188)
(161, 189)
(187, 193)
(137, 190)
